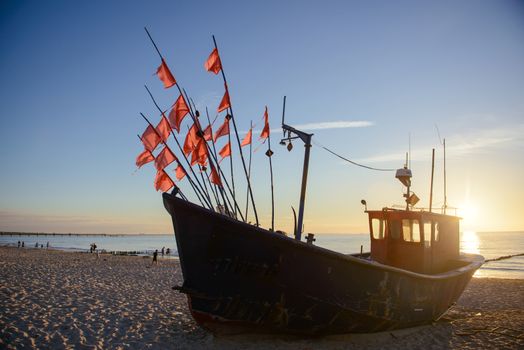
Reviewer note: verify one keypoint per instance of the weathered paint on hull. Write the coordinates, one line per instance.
(242, 278)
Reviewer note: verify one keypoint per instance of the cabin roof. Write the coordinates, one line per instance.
(411, 213)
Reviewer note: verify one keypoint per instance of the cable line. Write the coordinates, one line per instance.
(350, 161)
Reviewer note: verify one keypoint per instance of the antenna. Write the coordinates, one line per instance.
(431, 186)
(445, 194)
(408, 161)
(438, 133)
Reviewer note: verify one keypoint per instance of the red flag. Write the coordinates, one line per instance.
(144, 158)
(163, 128)
(163, 182)
(247, 139)
(180, 172)
(191, 140)
(224, 104)
(202, 153)
(178, 112)
(164, 158)
(208, 133)
(214, 177)
(223, 129)
(213, 63)
(265, 131)
(150, 138)
(225, 151)
(165, 75)
(199, 153)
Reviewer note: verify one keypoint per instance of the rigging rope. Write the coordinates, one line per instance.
(350, 161)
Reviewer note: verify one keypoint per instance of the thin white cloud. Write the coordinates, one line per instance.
(459, 144)
(339, 124)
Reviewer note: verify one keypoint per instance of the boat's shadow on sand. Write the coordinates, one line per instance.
(459, 328)
(438, 334)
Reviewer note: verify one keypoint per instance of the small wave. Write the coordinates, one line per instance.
(501, 268)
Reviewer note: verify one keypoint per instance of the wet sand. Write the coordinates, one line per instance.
(60, 300)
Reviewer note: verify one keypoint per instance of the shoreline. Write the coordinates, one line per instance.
(57, 299)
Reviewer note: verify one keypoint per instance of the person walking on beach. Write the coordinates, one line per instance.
(18, 244)
(168, 251)
(163, 249)
(36, 245)
(155, 257)
(23, 244)
(47, 245)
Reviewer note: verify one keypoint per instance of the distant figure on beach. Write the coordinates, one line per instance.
(47, 245)
(23, 244)
(42, 245)
(18, 244)
(168, 251)
(163, 249)
(155, 257)
(36, 245)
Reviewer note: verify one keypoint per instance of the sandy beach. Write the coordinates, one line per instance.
(60, 300)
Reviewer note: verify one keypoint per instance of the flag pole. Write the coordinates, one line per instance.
(238, 139)
(203, 168)
(180, 148)
(174, 184)
(152, 41)
(211, 125)
(165, 145)
(195, 115)
(269, 153)
(215, 158)
(215, 195)
(231, 164)
(249, 166)
(204, 181)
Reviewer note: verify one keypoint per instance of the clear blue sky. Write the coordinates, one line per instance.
(72, 89)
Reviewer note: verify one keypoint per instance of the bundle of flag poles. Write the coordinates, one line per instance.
(196, 160)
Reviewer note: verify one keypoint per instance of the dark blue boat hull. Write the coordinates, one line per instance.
(242, 278)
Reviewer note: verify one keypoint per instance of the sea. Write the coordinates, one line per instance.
(491, 245)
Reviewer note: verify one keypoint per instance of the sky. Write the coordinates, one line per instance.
(371, 80)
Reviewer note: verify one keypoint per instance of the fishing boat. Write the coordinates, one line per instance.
(243, 278)
(240, 277)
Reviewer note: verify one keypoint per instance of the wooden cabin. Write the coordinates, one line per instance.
(417, 241)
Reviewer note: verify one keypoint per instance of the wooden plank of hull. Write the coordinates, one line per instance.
(241, 277)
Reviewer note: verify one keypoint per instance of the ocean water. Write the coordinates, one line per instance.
(489, 244)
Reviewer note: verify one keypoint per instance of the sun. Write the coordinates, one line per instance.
(469, 213)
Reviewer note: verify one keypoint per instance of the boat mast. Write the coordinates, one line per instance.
(306, 138)
(409, 183)
(445, 195)
(431, 186)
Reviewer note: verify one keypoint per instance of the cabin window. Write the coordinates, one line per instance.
(427, 233)
(411, 230)
(377, 226)
(436, 232)
(395, 228)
